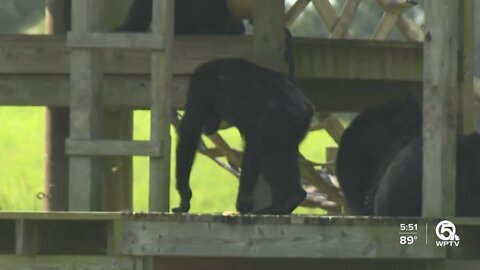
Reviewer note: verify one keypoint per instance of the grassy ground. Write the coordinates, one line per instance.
(21, 165)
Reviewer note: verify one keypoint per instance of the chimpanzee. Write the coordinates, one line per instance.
(191, 17)
(206, 17)
(271, 113)
(400, 188)
(365, 145)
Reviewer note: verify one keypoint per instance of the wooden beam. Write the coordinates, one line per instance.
(57, 22)
(467, 112)
(254, 237)
(317, 58)
(295, 11)
(67, 262)
(342, 25)
(132, 92)
(269, 33)
(440, 101)
(115, 41)
(85, 111)
(161, 106)
(112, 148)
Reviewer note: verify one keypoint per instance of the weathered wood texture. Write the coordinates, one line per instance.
(67, 262)
(466, 39)
(440, 101)
(85, 110)
(161, 106)
(231, 236)
(113, 148)
(181, 263)
(115, 41)
(117, 182)
(328, 71)
(269, 33)
(57, 21)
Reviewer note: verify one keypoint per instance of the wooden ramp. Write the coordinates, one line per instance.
(87, 241)
(338, 75)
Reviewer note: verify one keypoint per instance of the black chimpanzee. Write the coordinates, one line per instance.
(271, 113)
(365, 145)
(191, 17)
(206, 17)
(400, 189)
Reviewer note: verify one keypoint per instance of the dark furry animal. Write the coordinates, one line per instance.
(365, 145)
(194, 17)
(271, 113)
(206, 17)
(400, 189)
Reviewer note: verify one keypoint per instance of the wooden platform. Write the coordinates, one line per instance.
(338, 75)
(122, 239)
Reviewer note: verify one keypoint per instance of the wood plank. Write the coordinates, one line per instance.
(269, 33)
(161, 106)
(66, 262)
(117, 171)
(133, 92)
(297, 239)
(440, 102)
(85, 111)
(131, 41)
(313, 237)
(467, 114)
(113, 148)
(316, 58)
(57, 21)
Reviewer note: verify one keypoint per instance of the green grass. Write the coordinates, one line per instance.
(21, 165)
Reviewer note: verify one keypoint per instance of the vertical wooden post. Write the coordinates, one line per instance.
(117, 181)
(57, 20)
(269, 48)
(269, 33)
(440, 104)
(466, 65)
(162, 75)
(117, 172)
(85, 110)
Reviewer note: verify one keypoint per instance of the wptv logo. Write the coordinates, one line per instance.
(447, 233)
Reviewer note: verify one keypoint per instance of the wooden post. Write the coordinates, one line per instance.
(85, 110)
(269, 33)
(162, 75)
(117, 172)
(269, 47)
(440, 107)
(466, 64)
(117, 182)
(57, 20)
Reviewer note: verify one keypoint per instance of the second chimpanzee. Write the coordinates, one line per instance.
(400, 189)
(365, 145)
(271, 113)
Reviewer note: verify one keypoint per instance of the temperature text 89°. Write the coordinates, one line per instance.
(408, 239)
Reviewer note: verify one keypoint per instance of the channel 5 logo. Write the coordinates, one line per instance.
(447, 233)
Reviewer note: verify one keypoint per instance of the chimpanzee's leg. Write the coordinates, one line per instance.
(279, 134)
(248, 179)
